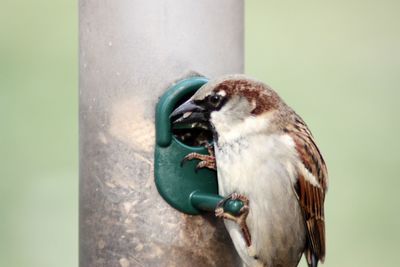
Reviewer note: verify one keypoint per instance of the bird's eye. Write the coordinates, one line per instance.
(214, 99)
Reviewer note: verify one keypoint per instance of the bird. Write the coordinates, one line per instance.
(266, 156)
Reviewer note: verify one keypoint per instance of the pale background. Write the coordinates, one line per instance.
(337, 63)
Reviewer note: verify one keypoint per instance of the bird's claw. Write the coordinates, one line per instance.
(219, 212)
(209, 163)
(239, 219)
(188, 157)
(206, 161)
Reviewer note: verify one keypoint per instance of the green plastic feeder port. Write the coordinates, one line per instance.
(184, 189)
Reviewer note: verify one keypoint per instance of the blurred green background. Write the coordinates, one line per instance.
(39, 133)
(336, 63)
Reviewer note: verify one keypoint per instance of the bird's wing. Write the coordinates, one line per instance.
(310, 188)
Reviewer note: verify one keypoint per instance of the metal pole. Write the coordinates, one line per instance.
(130, 52)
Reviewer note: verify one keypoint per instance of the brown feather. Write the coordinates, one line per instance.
(265, 98)
(311, 196)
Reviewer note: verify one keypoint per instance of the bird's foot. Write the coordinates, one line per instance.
(206, 161)
(239, 219)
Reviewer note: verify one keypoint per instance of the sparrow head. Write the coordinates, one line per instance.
(228, 102)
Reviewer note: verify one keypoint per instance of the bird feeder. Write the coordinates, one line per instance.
(130, 52)
(188, 190)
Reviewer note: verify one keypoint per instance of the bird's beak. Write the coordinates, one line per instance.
(189, 112)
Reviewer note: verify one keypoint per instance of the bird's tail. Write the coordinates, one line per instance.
(311, 258)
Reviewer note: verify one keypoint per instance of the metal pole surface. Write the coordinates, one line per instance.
(130, 52)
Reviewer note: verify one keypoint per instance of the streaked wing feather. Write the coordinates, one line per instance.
(311, 186)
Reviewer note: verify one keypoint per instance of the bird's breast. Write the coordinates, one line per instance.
(260, 167)
(256, 159)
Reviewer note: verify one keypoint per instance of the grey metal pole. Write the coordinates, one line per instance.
(130, 52)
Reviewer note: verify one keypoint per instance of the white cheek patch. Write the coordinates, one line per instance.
(229, 131)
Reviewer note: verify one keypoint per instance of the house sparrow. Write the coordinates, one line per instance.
(267, 157)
